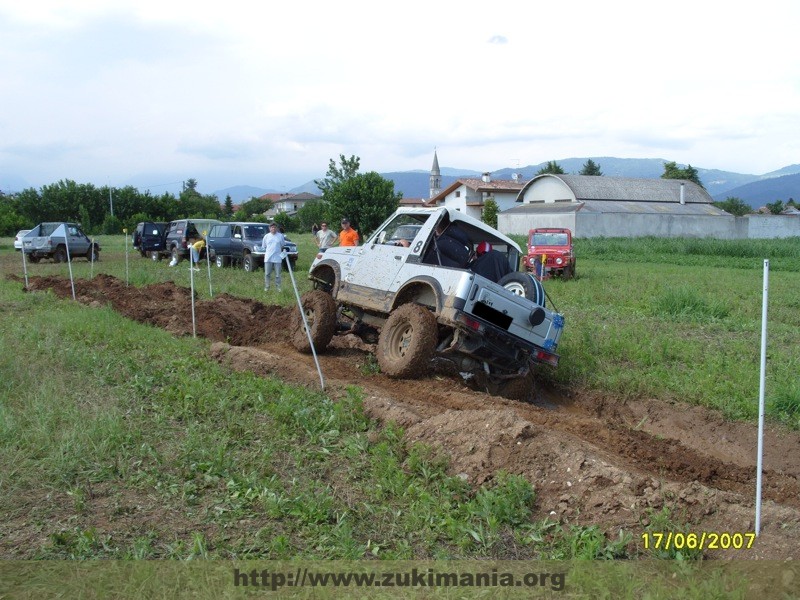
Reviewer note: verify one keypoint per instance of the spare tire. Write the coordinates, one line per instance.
(524, 284)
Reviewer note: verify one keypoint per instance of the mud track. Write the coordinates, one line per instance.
(592, 459)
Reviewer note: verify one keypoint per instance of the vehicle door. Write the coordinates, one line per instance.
(219, 240)
(375, 272)
(78, 241)
(236, 242)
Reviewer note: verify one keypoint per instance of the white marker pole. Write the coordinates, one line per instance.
(761, 394)
(208, 264)
(126, 257)
(69, 259)
(191, 285)
(24, 265)
(303, 316)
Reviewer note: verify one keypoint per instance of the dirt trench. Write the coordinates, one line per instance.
(593, 459)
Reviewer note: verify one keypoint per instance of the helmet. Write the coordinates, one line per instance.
(483, 248)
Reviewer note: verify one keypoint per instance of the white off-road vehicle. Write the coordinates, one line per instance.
(402, 288)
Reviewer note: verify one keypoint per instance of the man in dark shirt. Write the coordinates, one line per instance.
(450, 246)
(490, 263)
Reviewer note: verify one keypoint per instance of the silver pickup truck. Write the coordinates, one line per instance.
(59, 241)
(425, 303)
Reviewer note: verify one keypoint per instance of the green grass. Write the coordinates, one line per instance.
(118, 440)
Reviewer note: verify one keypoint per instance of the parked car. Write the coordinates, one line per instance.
(424, 304)
(59, 241)
(149, 237)
(18, 239)
(555, 245)
(240, 243)
(177, 235)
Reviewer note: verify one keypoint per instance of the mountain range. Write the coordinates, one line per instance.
(755, 190)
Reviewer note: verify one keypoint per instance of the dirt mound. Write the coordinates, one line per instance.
(592, 459)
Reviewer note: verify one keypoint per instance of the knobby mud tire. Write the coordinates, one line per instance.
(407, 342)
(320, 311)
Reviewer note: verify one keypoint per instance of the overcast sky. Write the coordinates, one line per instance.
(118, 92)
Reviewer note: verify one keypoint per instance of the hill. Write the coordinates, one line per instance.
(758, 193)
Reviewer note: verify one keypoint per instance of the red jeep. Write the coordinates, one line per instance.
(555, 245)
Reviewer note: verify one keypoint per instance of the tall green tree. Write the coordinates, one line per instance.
(348, 168)
(366, 199)
(673, 171)
(227, 209)
(552, 167)
(591, 168)
(734, 206)
(489, 213)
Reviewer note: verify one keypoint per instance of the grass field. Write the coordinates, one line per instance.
(96, 410)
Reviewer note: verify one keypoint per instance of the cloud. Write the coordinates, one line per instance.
(498, 39)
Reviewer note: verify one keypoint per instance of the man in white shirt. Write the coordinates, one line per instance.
(325, 237)
(273, 246)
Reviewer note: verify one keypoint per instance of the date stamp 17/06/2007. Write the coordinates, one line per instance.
(703, 540)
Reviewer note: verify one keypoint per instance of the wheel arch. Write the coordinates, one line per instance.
(327, 274)
(423, 290)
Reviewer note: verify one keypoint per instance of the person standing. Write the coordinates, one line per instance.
(325, 237)
(273, 247)
(348, 236)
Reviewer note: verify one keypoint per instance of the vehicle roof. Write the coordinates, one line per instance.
(477, 230)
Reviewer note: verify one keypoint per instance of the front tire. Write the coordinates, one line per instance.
(407, 342)
(320, 311)
(155, 256)
(248, 263)
(524, 284)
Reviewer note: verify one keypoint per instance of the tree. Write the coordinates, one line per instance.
(313, 211)
(591, 168)
(366, 199)
(253, 209)
(335, 175)
(227, 210)
(552, 167)
(672, 171)
(776, 207)
(489, 214)
(734, 206)
(287, 222)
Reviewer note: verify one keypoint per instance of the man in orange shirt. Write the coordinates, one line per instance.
(348, 236)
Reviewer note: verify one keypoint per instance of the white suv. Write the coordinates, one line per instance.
(423, 309)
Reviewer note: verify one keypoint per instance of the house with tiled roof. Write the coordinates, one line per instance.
(469, 195)
(288, 203)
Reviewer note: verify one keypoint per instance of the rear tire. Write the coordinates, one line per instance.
(221, 261)
(524, 284)
(155, 256)
(407, 342)
(320, 311)
(516, 388)
(176, 256)
(60, 255)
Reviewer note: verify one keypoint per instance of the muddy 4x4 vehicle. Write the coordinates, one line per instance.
(52, 240)
(240, 243)
(555, 245)
(492, 332)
